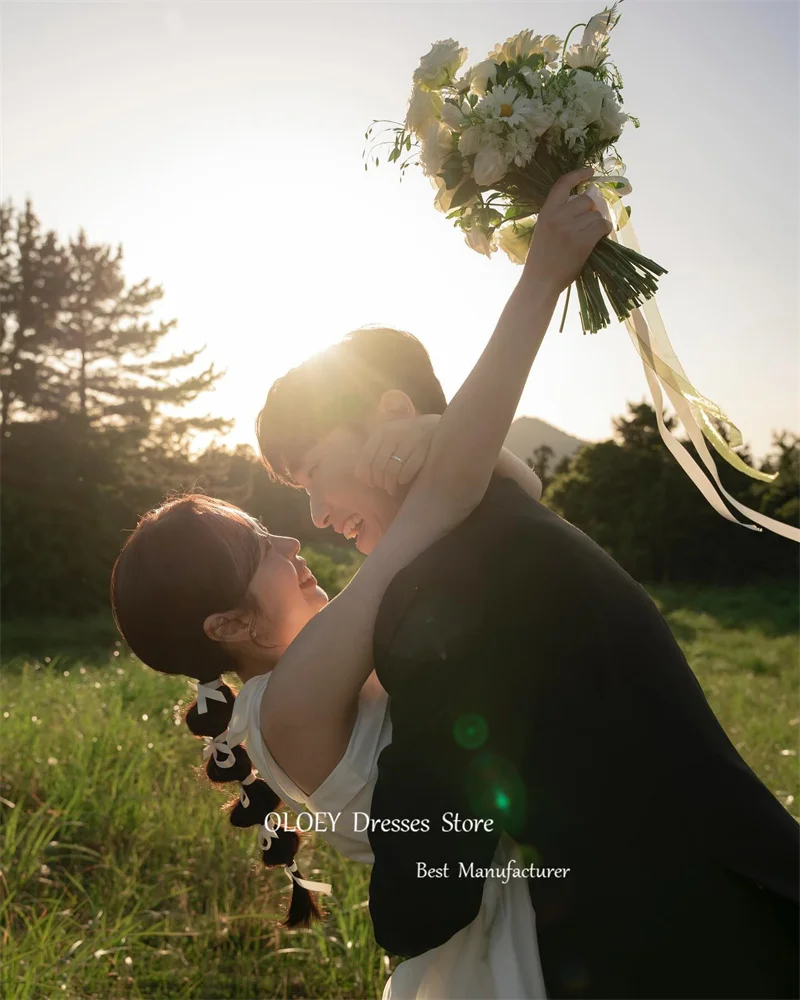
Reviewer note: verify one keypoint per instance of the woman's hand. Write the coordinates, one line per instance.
(567, 230)
(408, 440)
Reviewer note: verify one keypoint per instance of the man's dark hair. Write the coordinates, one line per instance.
(338, 388)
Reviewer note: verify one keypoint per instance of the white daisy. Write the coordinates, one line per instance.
(504, 104)
(526, 44)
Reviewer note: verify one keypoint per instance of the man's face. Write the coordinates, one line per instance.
(337, 498)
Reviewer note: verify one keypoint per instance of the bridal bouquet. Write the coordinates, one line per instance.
(495, 138)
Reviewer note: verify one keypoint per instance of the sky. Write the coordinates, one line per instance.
(220, 143)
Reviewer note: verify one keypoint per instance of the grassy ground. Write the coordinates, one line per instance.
(121, 877)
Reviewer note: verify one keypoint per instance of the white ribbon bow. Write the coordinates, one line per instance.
(244, 798)
(323, 887)
(209, 692)
(265, 837)
(218, 745)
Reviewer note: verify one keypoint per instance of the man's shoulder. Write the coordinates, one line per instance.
(449, 581)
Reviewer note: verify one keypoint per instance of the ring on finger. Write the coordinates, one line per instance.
(396, 458)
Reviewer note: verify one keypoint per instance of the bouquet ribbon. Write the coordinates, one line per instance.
(664, 372)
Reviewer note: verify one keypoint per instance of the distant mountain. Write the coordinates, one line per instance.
(526, 434)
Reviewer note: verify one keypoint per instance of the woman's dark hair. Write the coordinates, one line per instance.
(338, 388)
(192, 557)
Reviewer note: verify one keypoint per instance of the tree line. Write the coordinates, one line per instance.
(94, 432)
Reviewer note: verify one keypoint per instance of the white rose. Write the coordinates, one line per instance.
(480, 75)
(515, 240)
(452, 116)
(470, 141)
(435, 144)
(440, 64)
(490, 165)
(423, 108)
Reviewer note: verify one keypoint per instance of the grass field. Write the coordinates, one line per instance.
(121, 877)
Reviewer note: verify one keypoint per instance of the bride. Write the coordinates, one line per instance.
(200, 588)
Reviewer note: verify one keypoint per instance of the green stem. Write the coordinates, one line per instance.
(566, 303)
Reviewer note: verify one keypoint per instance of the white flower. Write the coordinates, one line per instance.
(591, 52)
(470, 141)
(452, 116)
(533, 77)
(444, 198)
(490, 165)
(521, 146)
(476, 238)
(611, 120)
(590, 94)
(423, 108)
(436, 142)
(597, 29)
(536, 117)
(479, 76)
(440, 64)
(515, 239)
(526, 44)
(551, 46)
(504, 103)
(584, 57)
(575, 135)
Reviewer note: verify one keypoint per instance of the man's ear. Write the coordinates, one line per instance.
(231, 626)
(394, 404)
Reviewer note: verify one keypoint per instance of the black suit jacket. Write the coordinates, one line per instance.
(534, 682)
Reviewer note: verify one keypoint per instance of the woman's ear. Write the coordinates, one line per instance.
(396, 405)
(231, 626)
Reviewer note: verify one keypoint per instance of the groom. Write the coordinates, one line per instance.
(535, 686)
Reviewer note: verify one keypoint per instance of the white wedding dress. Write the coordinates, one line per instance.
(496, 956)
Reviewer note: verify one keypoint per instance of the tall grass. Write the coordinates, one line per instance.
(120, 875)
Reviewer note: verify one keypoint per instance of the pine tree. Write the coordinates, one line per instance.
(33, 285)
(77, 339)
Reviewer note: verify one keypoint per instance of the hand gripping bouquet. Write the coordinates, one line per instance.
(494, 138)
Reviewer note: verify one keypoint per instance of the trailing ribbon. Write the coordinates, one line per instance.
(209, 692)
(323, 887)
(663, 370)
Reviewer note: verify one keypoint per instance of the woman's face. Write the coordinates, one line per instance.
(285, 589)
